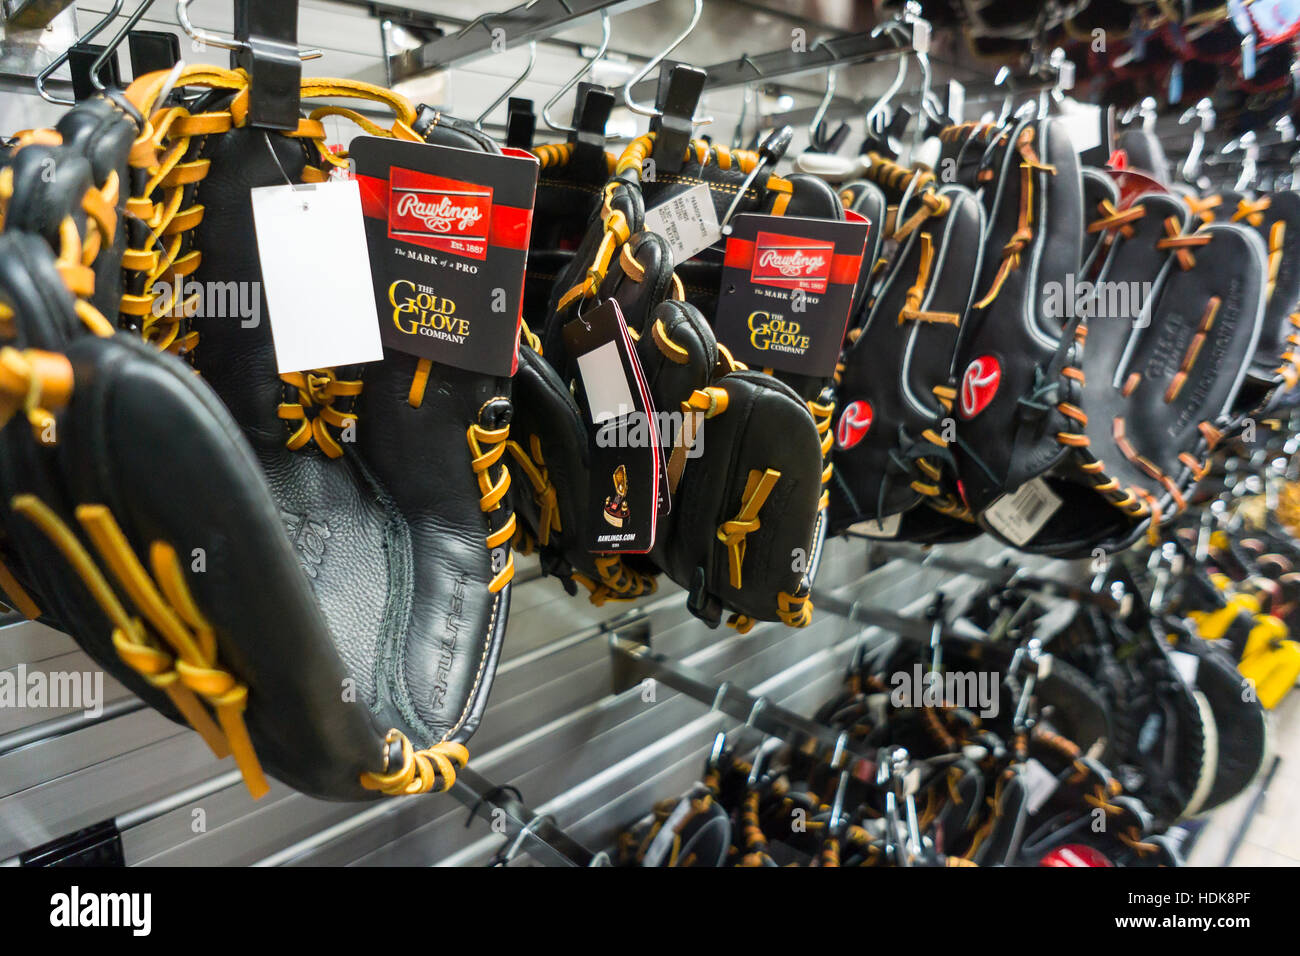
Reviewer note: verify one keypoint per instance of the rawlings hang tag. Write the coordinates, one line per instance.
(787, 286)
(447, 231)
(622, 429)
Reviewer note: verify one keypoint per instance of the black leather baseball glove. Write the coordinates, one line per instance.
(387, 479)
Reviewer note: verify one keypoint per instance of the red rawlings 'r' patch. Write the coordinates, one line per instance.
(1075, 854)
(855, 422)
(979, 385)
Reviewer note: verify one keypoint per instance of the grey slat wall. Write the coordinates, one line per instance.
(553, 729)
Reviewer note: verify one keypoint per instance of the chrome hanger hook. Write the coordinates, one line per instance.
(215, 39)
(645, 71)
(532, 61)
(116, 42)
(573, 80)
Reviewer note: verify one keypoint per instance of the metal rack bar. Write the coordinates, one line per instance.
(538, 836)
(1002, 574)
(840, 51)
(639, 661)
(495, 32)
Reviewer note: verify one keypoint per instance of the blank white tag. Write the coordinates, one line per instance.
(1187, 665)
(688, 221)
(878, 528)
(1040, 783)
(605, 382)
(1021, 515)
(322, 312)
(1083, 121)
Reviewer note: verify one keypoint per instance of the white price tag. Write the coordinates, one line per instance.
(1083, 122)
(320, 317)
(1021, 515)
(688, 222)
(879, 528)
(1041, 784)
(1187, 666)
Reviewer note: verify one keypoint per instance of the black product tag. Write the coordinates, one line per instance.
(622, 432)
(447, 230)
(787, 287)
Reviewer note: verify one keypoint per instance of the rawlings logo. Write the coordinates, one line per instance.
(440, 217)
(439, 213)
(308, 538)
(804, 266)
(794, 264)
(854, 424)
(979, 385)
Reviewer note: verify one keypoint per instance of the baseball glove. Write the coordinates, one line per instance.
(895, 390)
(1275, 366)
(1019, 380)
(409, 575)
(1161, 374)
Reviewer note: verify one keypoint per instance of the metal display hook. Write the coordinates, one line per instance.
(573, 80)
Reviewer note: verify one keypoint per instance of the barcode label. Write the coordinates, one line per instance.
(1021, 515)
(688, 222)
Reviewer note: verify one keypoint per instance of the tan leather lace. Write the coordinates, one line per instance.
(544, 494)
(183, 664)
(431, 770)
(1024, 234)
(487, 445)
(1252, 211)
(317, 390)
(615, 581)
(733, 533)
(912, 311)
(36, 383)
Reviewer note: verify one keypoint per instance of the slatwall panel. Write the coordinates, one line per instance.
(594, 760)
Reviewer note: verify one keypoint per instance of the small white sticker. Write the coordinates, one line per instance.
(879, 528)
(1040, 782)
(1187, 665)
(1021, 515)
(320, 317)
(688, 222)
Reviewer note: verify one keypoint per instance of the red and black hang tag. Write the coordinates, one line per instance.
(787, 287)
(622, 432)
(447, 230)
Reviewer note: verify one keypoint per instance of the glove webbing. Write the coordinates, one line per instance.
(186, 666)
